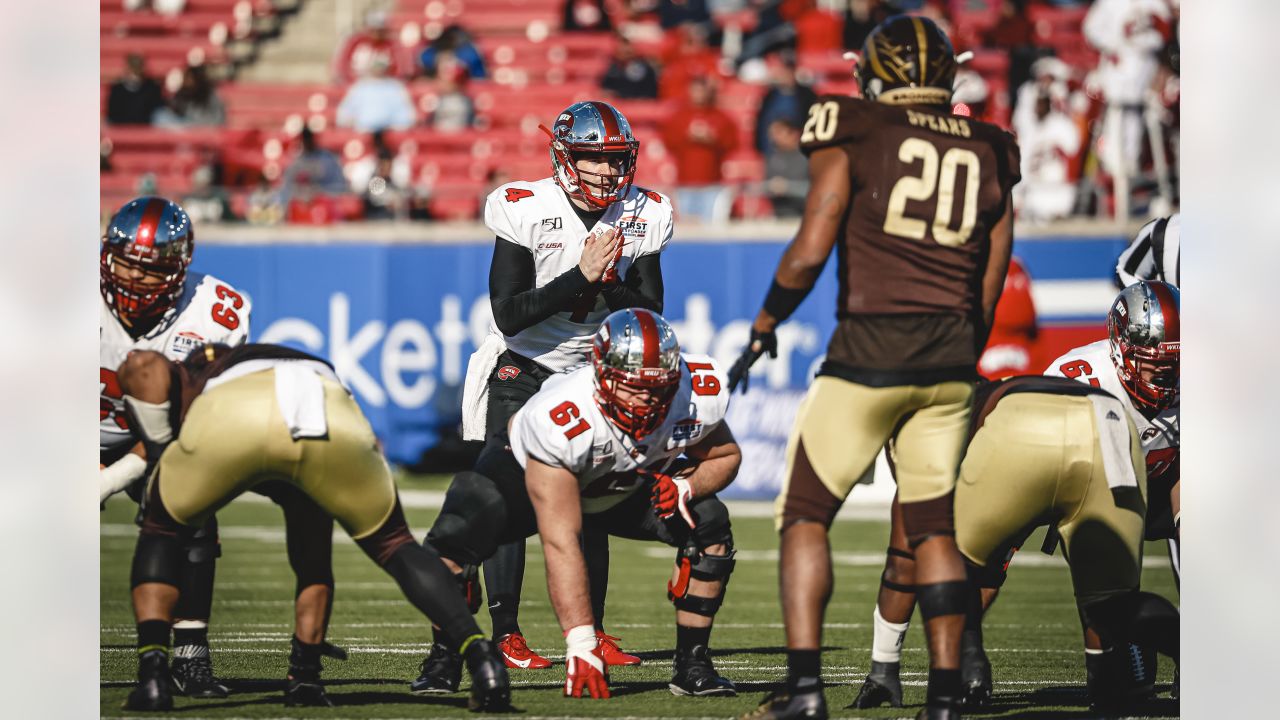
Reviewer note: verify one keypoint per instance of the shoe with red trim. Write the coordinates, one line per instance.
(516, 653)
(613, 654)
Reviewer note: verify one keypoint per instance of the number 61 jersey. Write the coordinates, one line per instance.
(209, 311)
(928, 188)
(561, 426)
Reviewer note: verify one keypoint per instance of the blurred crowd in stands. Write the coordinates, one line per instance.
(428, 111)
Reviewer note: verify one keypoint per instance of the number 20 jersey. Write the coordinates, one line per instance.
(209, 311)
(928, 187)
(562, 426)
(1091, 364)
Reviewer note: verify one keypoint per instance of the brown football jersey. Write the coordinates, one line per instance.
(927, 189)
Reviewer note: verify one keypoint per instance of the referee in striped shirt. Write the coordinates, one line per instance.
(1154, 254)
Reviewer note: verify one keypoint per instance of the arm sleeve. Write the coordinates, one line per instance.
(1137, 262)
(642, 287)
(517, 304)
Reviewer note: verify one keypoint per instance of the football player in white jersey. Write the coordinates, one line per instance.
(1139, 364)
(151, 301)
(568, 250)
(599, 448)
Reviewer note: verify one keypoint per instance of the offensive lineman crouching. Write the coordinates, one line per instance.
(581, 451)
(252, 414)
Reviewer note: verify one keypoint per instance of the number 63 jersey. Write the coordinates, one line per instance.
(209, 311)
(562, 426)
(928, 187)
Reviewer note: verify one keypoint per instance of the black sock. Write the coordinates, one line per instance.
(804, 670)
(504, 612)
(944, 687)
(304, 660)
(153, 635)
(688, 637)
(191, 636)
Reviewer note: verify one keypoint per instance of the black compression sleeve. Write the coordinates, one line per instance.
(517, 304)
(782, 301)
(641, 288)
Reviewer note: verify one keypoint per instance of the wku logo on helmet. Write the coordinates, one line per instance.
(508, 372)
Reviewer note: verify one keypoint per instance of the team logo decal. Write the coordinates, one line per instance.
(634, 228)
(508, 372)
(686, 430)
(554, 223)
(184, 342)
(1150, 433)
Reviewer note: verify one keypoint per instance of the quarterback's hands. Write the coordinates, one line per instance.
(599, 252)
(585, 668)
(670, 494)
(759, 344)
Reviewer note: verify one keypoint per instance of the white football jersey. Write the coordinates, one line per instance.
(563, 427)
(539, 217)
(209, 311)
(1092, 364)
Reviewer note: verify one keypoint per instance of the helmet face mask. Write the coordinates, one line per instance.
(1144, 333)
(907, 60)
(143, 261)
(594, 132)
(637, 370)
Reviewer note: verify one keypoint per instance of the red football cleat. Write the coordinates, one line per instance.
(613, 654)
(516, 653)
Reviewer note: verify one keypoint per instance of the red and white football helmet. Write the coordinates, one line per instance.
(595, 128)
(635, 349)
(1144, 329)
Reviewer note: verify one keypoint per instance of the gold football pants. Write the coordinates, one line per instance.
(234, 438)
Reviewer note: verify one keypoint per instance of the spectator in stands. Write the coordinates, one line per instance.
(861, 17)
(376, 102)
(208, 201)
(381, 179)
(691, 57)
(1014, 34)
(195, 104)
(629, 75)
(1049, 141)
(677, 13)
(135, 97)
(971, 95)
(356, 55)
(786, 171)
(586, 16)
(700, 135)
(264, 206)
(454, 109)
(314, 168)
(787, 99)
(455, 41)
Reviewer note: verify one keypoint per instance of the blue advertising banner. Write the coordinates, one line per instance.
(399, 321)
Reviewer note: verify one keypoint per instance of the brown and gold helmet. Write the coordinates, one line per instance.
(907, 60)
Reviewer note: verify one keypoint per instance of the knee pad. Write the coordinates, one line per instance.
(691, 562)
(470, 521)
(929, 518)
(713, 526)
(897, 565)
(944, 598)
(156, 559)
(202, 546)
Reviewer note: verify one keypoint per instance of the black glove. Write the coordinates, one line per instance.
(760, 343)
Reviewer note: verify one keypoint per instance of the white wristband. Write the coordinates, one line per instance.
(120, 475)
(581, 638)
(153, 419)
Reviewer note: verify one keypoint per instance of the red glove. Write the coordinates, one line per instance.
(585, 668)
(671, 494)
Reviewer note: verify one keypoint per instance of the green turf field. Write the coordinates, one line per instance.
(1032, 634)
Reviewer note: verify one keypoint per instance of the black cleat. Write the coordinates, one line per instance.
(490, 687)
(693, 674)
(881, 686)
(975, 674)
(152, 693)
(440, 672)
(193, 673)
(306, 693)
(938, 712)
(782, 705)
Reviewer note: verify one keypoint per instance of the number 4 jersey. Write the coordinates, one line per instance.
(209, 311)
(1091, 364)
(561, 426)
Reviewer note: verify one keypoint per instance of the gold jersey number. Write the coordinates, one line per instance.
(821, 125)
(940, 177)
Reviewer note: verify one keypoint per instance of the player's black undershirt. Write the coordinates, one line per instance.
(518, 305)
